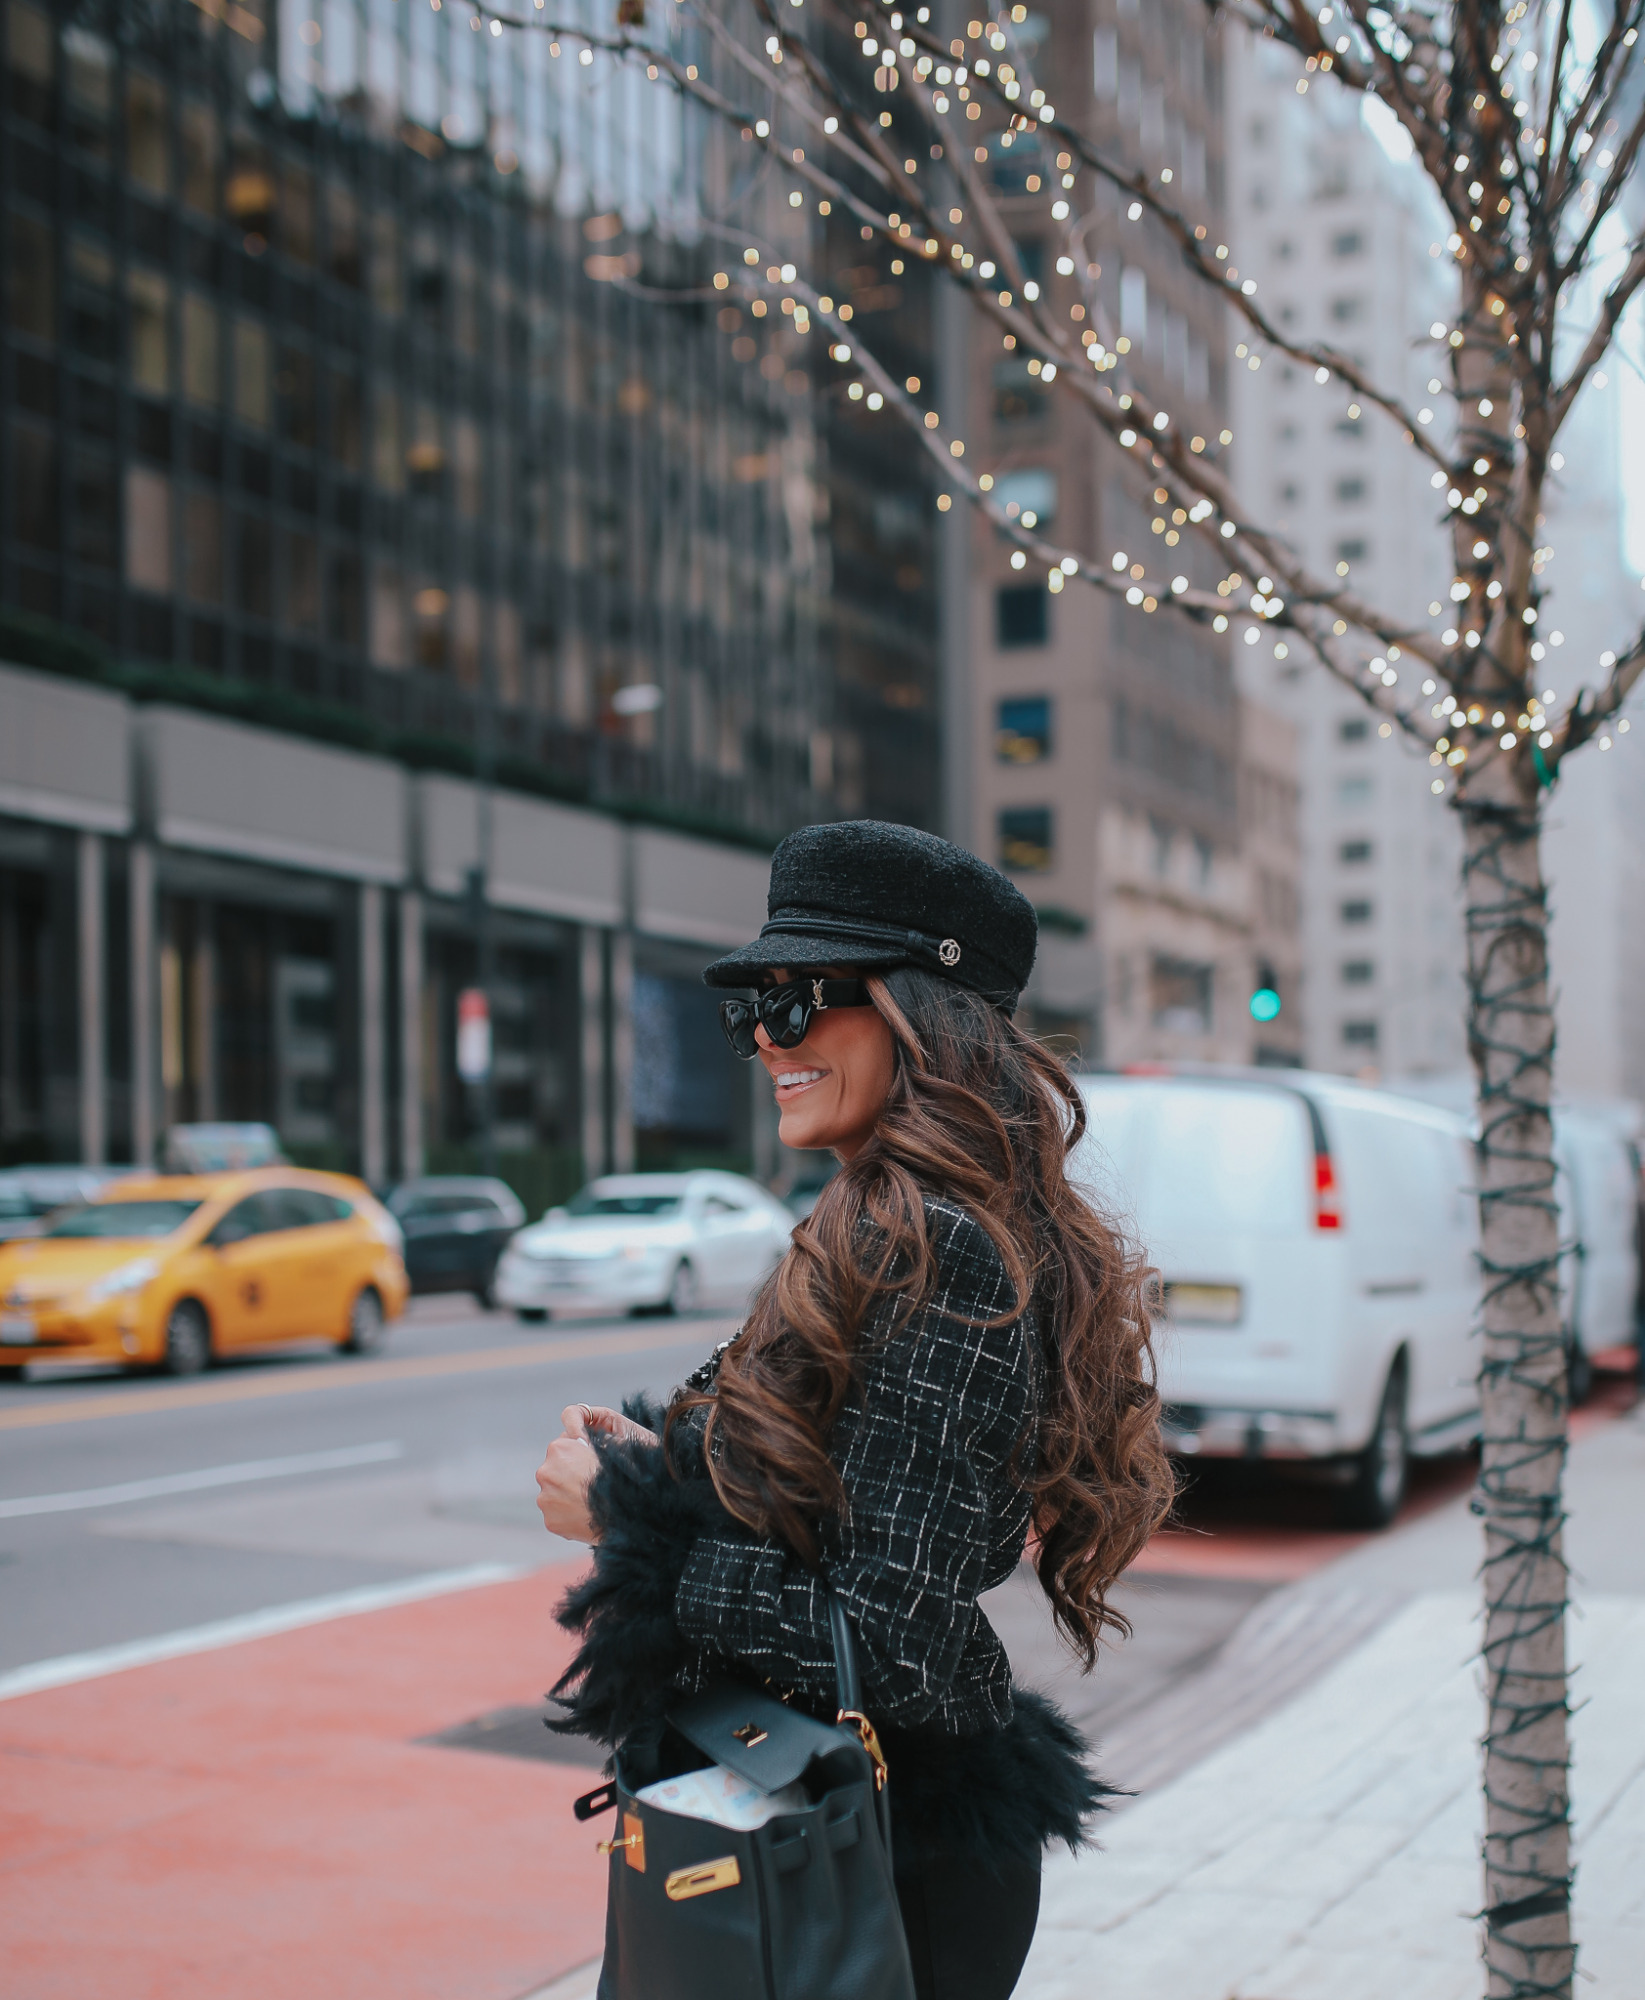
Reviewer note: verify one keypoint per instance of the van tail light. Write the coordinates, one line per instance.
(1327, 1197)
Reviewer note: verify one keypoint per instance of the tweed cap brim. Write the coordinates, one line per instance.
(745, 965)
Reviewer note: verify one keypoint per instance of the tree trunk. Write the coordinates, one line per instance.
(1528, 1945)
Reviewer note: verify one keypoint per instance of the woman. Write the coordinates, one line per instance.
(954, 1352)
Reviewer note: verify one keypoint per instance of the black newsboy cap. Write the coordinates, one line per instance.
(865, 893)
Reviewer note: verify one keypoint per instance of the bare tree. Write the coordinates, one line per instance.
(1528, 119)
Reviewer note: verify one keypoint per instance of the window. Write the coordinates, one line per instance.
(148, 530)
(297, 215)
(295, 388)
(94, 511)
(1354, 730)
(1352, 852)
(1349, 243)
(149, 336)
(1022, 614)
(31, 274)
(388, 463)
(1356, 912)
(300, 601)
(203, 548)
(389, 646)
(92, 315)
(1134, 302)
(1354, 791)
(1023, 735)
(343, 252)
(1353, 551)
(249, 196)
(347, 420)
(1105, 73)
(1029, 495)
(1025, 839)
(1180, 996)
(33, 486)
(31, 56)
(202, 368)
(198, 127)
(469, 467)
(148, 146)
(1358, 972)
(89, 90)
(253, 385)
(1018, 397)
(1349, 491)
(1360, 1034)
(254, 566)
(345, 601)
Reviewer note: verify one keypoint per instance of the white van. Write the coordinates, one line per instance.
(1316, 1243)
(1596, 1183)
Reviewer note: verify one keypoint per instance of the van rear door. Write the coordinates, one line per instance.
(1216, 1183)
(1411, 1239)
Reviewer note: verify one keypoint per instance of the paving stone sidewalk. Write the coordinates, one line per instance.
(1330, 1852)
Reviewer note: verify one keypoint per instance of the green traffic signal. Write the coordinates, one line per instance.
(1265, 1004)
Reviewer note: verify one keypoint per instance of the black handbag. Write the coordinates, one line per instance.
(802, 1908)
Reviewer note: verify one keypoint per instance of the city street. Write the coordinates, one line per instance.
(259, 1625)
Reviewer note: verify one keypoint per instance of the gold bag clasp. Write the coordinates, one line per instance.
(703, 1880)
(630, 1843)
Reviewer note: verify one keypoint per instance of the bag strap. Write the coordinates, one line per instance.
(848, 1686)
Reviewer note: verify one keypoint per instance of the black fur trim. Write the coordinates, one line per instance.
(1006, 1793)
(632, 1652)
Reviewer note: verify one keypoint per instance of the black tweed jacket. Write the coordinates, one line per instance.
(931, 1457)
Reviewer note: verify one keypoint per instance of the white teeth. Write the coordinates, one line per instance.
(789, 1076)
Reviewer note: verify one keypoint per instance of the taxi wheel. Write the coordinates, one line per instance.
(366, 1324)
(188, 1339)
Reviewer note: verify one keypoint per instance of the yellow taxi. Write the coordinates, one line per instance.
(176, 1270)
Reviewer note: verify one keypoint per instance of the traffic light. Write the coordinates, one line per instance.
(1265, 1001)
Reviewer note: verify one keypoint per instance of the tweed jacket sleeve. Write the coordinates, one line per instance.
(935, 1513)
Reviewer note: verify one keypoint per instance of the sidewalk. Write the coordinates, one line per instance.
(1330, 1851)
(272, 1819)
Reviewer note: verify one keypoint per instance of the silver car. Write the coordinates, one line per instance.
(647, 1243)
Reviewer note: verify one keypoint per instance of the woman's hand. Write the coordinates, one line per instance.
(583, 1420)
(570, 1464)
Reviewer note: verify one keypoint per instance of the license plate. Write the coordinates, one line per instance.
(1204, 1305)
(16, 1331)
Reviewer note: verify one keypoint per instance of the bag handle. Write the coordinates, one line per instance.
(848, 1686)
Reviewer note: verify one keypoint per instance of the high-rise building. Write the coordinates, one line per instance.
(1105, 750)
(1344, 244)
(1347, 243)
(447, 545)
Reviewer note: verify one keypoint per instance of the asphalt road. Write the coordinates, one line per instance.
(136, 1508)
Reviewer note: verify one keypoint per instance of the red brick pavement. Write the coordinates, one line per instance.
(259, 1822)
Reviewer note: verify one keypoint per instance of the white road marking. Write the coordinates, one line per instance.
(195, 1482)
(72, 1667)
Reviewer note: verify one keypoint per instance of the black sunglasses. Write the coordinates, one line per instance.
(785, 1011)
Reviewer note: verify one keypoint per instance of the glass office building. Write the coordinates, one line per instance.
(365, 382)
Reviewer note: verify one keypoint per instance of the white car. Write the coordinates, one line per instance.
(647, 1242)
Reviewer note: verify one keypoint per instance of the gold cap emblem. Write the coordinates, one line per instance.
(949, 952)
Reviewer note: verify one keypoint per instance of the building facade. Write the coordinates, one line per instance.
(201, 919)
(1344, 243)
(443, 562)
(1105, 753)
(1348, 245)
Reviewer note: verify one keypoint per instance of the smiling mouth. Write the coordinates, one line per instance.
(797, 1079)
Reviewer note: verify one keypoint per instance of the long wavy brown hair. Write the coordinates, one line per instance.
(983, 1115)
